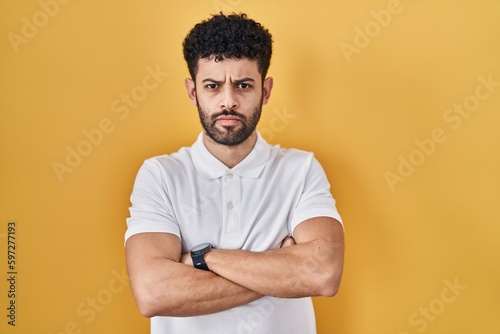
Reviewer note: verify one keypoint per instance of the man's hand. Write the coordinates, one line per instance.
(287, 242)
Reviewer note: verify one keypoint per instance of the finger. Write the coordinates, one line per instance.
(287, 242)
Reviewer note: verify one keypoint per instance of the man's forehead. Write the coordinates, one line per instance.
(242, 67)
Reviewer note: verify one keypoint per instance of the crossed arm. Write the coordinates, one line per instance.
(164, 283)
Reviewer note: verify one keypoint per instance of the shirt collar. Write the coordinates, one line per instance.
(212, 168)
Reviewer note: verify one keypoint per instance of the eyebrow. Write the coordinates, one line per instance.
(246, 79)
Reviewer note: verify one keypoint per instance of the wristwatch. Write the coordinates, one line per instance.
(197, 254)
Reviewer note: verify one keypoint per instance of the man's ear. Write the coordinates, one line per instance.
(266, 89)
(191, 90)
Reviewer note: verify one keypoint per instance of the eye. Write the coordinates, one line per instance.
(212, 86)
(244, 86)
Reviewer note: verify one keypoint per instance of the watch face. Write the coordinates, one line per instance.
(200, 247)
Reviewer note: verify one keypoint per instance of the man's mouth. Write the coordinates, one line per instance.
(228, 120)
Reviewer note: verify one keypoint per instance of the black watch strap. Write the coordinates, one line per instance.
(199, 262)
(198, 255)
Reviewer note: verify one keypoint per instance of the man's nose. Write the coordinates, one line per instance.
(229, 99)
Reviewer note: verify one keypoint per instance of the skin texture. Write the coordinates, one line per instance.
(164, 281)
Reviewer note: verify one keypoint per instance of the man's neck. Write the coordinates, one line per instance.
(230, 155)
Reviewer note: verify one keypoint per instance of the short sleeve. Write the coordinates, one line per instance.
(316, 199)
(151, 209)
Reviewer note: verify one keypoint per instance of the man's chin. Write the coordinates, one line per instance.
(228, 138)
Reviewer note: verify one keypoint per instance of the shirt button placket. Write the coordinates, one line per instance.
(232, 193)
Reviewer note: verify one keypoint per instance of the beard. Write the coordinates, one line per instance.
(229, 135)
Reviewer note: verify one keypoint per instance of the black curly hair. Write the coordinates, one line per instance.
(231, 36)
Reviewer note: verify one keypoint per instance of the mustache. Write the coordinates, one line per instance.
(229, 112)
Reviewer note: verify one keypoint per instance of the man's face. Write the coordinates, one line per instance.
(229, 95)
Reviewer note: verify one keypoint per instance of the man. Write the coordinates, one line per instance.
(232, 235)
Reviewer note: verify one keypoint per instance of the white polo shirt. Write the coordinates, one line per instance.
(252, 206)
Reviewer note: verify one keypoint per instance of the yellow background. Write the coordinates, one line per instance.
(361, 111)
